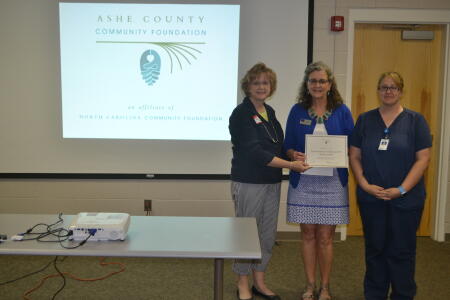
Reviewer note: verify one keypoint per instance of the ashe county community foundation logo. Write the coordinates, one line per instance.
(151, 61)
(177, 52)
(150, 66)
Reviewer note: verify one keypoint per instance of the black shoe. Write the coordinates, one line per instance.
(239, 297)
(268, 297)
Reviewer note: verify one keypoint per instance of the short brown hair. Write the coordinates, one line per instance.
(255, 72)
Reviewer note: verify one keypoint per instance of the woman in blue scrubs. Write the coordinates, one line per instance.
(389, 152)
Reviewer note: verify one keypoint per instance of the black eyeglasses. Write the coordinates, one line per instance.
(320, 81)
(384, 88)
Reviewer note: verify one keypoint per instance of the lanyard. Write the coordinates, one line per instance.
(386, 133)
(384, 142)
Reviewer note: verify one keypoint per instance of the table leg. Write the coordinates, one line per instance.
(218, 279)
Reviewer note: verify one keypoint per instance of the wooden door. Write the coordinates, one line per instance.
(379, 48)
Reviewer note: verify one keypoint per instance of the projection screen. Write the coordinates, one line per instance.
(138, 89)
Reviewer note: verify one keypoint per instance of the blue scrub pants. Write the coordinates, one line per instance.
(390, 240)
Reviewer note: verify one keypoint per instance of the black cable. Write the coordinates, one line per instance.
(62, 276)
(47, 232)
(61, 234)
(27, 275)
(58, 233)
(30, 230)
(76, 246)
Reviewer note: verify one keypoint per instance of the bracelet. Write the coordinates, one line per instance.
(290, 165)
(402, 190)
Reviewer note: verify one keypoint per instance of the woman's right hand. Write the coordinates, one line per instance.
(375, 190)
(299, 166)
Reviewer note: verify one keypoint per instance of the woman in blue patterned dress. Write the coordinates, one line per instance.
(318, 198)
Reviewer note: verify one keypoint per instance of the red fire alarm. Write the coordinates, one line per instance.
(337, 23)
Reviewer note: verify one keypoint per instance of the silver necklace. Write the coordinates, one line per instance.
(274, 139)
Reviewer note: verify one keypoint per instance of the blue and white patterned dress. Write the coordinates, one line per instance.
(318, 199)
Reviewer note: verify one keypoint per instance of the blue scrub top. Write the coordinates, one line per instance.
(408, 134)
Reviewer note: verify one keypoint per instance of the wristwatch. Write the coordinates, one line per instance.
(402, 190)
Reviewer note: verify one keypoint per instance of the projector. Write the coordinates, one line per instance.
(101, 226)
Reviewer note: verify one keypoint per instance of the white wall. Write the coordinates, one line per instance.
(189, 197)
(331, 47)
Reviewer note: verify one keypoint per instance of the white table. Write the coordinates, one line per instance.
(154, 236)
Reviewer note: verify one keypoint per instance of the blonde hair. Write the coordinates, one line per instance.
(396, 77)
(255, 72)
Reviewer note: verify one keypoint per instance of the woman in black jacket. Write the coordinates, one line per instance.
(256, 171)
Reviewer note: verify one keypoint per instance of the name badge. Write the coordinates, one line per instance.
(305, 122)
(383, 144)
(257, 119)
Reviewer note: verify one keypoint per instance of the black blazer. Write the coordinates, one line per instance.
(255, 143)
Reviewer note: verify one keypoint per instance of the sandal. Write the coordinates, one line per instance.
(325, 287)
(309, 292)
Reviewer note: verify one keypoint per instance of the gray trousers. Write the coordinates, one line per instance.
(261, 201)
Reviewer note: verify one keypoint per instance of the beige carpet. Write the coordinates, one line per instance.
(156, 278)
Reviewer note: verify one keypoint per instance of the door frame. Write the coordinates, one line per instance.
(415, 16)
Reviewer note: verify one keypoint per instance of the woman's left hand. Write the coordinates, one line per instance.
(300, 156)
(390, 193)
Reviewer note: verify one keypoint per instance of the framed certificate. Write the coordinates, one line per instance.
(326, 151)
